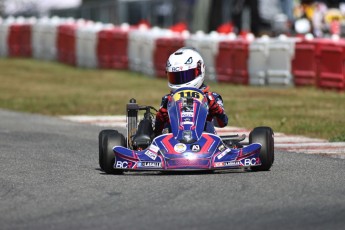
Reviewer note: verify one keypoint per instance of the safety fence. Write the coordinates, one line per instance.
(265, 61)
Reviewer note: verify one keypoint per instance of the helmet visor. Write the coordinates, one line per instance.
(182, 77)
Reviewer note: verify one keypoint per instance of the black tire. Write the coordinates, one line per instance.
(264, 136)
(101, 136)
(107, 140)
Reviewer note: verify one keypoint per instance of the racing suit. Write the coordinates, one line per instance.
(216, 112)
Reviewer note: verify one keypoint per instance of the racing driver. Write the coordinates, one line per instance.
(186, 68)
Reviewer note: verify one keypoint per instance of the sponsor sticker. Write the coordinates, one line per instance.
(121, 164)
(177, 69)
(221, 148)
(187, 114)
(154, 148)
(148, 164)
(189, 61)
(250, 162)
(195, 148)
(222, 154)
(232, 163)
(227, 163)
(150, 154)
(219, 164)
(180, 148)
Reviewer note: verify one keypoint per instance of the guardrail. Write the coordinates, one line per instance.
(265, 61)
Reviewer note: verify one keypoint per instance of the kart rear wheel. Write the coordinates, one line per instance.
(107, 140)
(264, 136)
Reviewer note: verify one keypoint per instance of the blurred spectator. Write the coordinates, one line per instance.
(304, 16)
(270, 13)
(164, 10)
(238, 7)
(215, 15)
(317, 19)
(201, 15)
(184, 11)
(287, 9)
(309, 1)
(332, 3)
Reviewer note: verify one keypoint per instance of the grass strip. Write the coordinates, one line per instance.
(55, 89)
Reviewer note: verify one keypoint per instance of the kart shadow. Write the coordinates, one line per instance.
(178, 173)
(208, 172)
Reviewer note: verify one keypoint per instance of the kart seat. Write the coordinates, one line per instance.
(144, 135)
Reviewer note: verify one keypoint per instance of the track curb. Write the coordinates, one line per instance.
(283, 142)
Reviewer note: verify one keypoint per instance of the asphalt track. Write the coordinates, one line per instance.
(50, 179)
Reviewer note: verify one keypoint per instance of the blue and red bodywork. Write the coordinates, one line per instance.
(188, 146)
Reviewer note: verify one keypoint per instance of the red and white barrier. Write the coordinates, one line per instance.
(305, 72)
(208, 46)
(4, 30)
(112, 47)
(281, 53)
(44, 38)
(66, 43)
(86, 45)
(331, 71)
(270, 61)
(15, 37)
(163, 48)
(257, 61)
(225, 60)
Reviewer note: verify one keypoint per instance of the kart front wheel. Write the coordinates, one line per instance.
(107, 140)
(263, 136)
(101, 136)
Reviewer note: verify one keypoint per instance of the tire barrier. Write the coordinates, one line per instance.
(66, 43)
(163, 48)
(112, 44)
(305, 72)
(17, 37)
(225, 61)
(257, 61)
(241, 53)
(208, 46)
(266, 61)
(331, 65)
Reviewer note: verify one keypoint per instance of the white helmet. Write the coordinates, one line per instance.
(185, 68)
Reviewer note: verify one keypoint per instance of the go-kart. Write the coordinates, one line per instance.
(185, 145)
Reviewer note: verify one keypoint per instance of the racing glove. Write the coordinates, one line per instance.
(162, 118)
(214, 107)
(162, 115)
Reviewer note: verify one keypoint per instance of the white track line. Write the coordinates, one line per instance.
(283, 142)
